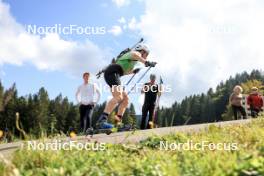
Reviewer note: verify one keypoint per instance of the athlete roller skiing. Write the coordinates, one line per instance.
(123, 66)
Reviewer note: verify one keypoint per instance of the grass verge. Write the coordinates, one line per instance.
(149, 158)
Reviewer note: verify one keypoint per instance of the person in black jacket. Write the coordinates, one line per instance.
(151, 91)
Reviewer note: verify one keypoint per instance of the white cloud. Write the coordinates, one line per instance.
(199, 43)
(132, 25)
(115, 30)
(121, 3)
(122, 20)
(47, 53)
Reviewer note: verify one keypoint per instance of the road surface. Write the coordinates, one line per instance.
(6, 150)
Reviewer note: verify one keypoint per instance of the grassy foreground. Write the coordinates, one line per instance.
(147, 158)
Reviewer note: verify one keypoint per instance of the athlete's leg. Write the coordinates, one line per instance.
(112, 78)
(123, 105)
(117, 97)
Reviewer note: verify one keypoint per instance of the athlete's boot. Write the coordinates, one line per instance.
(103, 124)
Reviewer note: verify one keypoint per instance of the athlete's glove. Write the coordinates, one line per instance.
(150, 64)
(135, 71)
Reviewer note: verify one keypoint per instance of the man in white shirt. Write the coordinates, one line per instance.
(85, 97)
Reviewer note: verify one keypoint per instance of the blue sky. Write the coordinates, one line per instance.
(79, 12)
(27, 77)
(196, 45)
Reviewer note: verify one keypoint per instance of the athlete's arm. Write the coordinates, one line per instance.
(137, 56)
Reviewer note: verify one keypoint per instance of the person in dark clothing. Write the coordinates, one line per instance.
(86, 112)
(6, 135)
(151, 91)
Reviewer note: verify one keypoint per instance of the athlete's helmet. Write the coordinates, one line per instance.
(143, 47)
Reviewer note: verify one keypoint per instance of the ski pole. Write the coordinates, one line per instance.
(128, 49)
(141, 40)
(130, 80)
(139, 80)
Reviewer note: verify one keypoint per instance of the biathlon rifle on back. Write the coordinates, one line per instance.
(98, 75)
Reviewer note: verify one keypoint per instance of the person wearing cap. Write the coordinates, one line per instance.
(151, 91)
(235, 100)
(85, 96)
(255, 101)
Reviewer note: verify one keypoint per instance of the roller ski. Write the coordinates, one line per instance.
(92, 131)
(107, 128)
(102, 126)
(124, 127)
(121, 126)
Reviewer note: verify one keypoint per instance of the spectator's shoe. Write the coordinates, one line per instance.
(89, 131)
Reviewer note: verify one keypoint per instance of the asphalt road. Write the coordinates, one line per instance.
(6, 150)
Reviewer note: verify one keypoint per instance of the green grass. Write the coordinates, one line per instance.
(146, 158)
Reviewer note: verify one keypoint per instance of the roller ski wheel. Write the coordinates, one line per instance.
(91, 132)
(124, 127)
